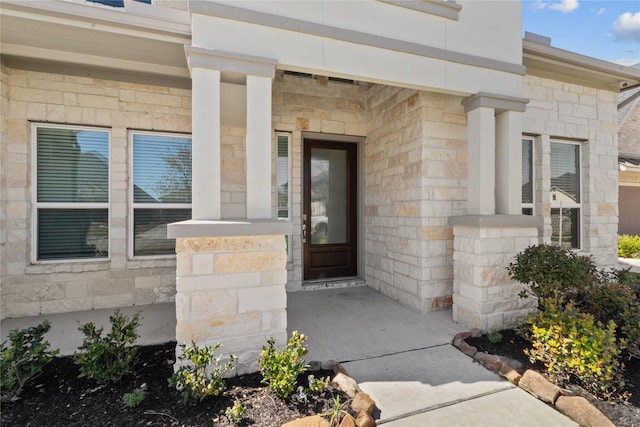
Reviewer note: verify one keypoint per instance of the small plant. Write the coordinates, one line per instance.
(318, 386)
(570, 342)
(192, 380)
(135, 398)
(494, 337)
(235, 412)
(108, 358)
(629, 246)
(24, 359)
(280, 369)
(337, 412)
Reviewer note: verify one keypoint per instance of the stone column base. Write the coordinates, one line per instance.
(484, 296)
(231, 289)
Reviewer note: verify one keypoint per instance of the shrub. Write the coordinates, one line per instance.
(24, 359)
(280, 369)
(135, 398)
(494, 337)
(235, 412)
(111, 357)
(570, 342)
(629, 246)
(192, 380)
(630, 279)
(617, 302)
(551, 271)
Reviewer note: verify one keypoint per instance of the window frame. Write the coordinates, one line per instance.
(289, 187)
(131, 189)
(36, 206)
(532, 167)
(579, 205)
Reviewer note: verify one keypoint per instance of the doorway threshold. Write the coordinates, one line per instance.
(338, 282)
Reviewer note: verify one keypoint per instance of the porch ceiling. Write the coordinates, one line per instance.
(139, 38)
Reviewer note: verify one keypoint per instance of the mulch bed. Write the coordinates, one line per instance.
(512, 346)
(59, 398)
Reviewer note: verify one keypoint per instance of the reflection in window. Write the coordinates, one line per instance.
(565, 194)
(161, 190)
(72, 193)
(328, 196)
(527, 177)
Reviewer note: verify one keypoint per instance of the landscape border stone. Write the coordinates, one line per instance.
(579, 410)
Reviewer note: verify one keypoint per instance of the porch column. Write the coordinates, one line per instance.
(481, 161)
(258, 147)
(205, 143)
(509, 163)
(486, 240)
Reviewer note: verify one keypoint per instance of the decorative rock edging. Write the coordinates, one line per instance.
(577, 408)
(361, 402)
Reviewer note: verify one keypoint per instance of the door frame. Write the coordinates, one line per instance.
(359, 141)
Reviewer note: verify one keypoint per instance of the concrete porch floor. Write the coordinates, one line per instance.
(404, 360)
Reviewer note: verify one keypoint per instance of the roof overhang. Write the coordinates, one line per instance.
(544, 60)
(139, 38)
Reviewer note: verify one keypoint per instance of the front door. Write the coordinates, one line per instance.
(330, 207)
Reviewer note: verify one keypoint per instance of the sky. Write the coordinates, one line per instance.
(607, 30)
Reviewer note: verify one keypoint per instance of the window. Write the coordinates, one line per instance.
(161, 190)
(565, 194)
(527, 177)
(283, 179)
(71, 176)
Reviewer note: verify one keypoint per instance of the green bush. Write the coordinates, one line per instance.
(108, 358)
(24, 359)
(280, 369)
(572, 343)
(551, 271)
(630, 279)
(235, 412)
(619, 303)
(629, 246)
(192, 380)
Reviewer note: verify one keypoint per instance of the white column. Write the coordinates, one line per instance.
(205, 144)
(481, 162)
(509, 163)
(258, 147)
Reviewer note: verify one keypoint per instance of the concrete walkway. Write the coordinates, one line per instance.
(406, 363)
(403, 360)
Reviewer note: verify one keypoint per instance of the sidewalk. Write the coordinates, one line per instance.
(406, 363)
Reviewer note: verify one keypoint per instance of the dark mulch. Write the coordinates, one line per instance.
(59, 398)
(512, 346)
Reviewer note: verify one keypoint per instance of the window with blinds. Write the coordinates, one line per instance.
(565, 194)
(72, 193)
(527, 177)
(161, 190)
(283, 179)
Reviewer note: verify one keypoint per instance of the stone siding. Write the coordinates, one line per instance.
(47, 97)
(484, 295)
(232, 290)
(415, 179)
(565, 111)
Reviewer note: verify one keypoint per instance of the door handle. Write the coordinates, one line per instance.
(304, 233)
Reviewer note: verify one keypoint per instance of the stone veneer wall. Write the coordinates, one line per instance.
(316, 105)
(415, 179)
(565, 111)
(54, 97)
(629, 133)
(232, 290)
(484, 295)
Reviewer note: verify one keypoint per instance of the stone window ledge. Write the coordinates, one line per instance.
(231, 227)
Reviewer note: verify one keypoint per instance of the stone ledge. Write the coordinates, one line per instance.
(578, 409)
(231, 227)
(499, 220)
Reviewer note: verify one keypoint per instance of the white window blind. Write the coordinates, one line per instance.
(527, 177)
(161, 190)
(72, 193)
(565, 194)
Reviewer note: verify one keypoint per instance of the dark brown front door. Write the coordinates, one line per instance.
(330, 207)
